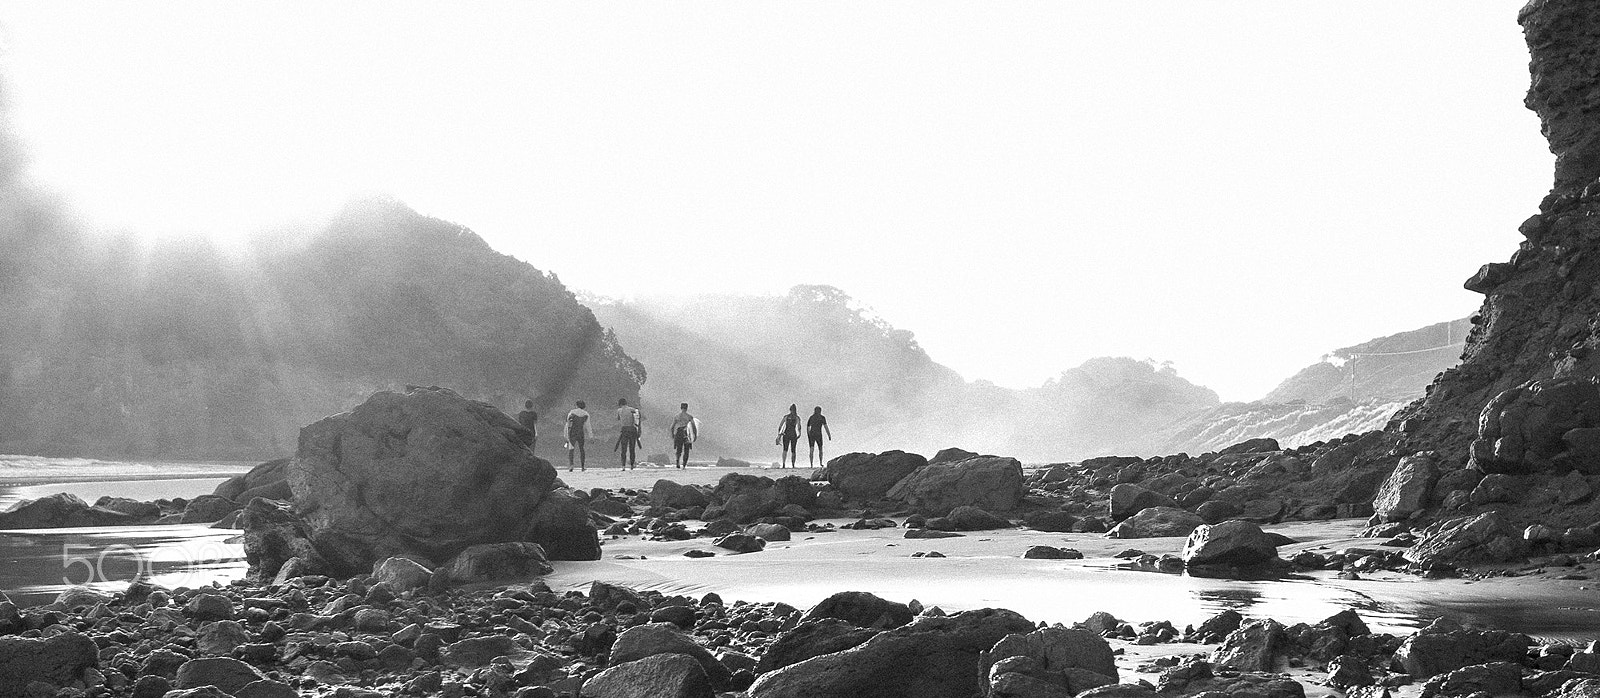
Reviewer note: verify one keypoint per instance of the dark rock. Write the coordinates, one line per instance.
(655, 676)
(207, 508)
(652, 639)
(868, 476)
(930, 533)
(1251, 446)
(1127, 500)
(55, 661)
(474, 652)
(1217, 511)
(60, 510)
(1050, 521)
(133, 508)
(1239, 543)
(934, 657)
(740, 543)
(1047, 552)
(401, 573)
(989, 483)
(681, 616)
(771, 533)
(1255, 646)
(1473, 539)
(861, 609)
(1445, 646)
(812, 638)
(970, 518)
(225, 673)
(488, 562)
(422, 472)
(1496, 678)
(1157, 522)
(1057, 649)
(667, 493)
(1407, 489)
(562, 527)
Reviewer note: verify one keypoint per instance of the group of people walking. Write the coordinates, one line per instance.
(684, 429)
(578, 429)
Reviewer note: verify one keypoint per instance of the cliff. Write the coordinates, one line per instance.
(181, 350)
(1538, 318)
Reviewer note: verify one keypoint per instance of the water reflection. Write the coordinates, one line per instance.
(35, 565)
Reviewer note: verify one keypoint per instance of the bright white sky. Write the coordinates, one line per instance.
(1235, 186)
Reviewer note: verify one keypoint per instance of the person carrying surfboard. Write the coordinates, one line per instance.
(628, 438)
(578, 431)
(685, 429)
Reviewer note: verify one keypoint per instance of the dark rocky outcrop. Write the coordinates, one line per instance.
(861, 609)
(420, 473)
(1526, 391)
(812, 638)
(1157, 522)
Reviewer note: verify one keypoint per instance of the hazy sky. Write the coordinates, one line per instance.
(1237, 187)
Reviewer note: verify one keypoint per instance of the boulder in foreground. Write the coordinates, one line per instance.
(933, 657)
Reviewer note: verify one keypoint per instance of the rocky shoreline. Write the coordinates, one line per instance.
(400, 631)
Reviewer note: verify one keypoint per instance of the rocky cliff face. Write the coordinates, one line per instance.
(181, 350)
(1540, 319)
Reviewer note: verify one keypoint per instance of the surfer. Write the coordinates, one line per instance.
(530, 421)
(685, 429)
(789, 436)
(628, 438)
(578, 430)
(815, 426)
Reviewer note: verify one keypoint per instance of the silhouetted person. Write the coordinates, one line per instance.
(530, 421)
(815, 426)
(789, 436)
(684, 431)
(628, 439)
(578, 430)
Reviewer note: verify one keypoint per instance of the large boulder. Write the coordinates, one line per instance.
(488, 562)
(934, 657)
(55, 661)
(1407, 489)
(1238, 543)
(424, 472)
(861, 609)
(656, 676)
(561, 526)
(1255, 646)
(1158, 522)
(871, 475)
(225, 673)
(1055, 652)
(1262, 445)
(990, 483)
(1128, 499)
(650, 639)
(812, 638)
(1445, 646)
(667, 493)
(1484, 538)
